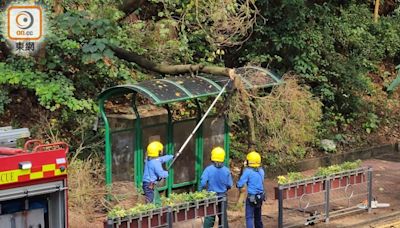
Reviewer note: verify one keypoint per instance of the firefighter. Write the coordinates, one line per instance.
(218, 179)
(153, 170)
(253, 177)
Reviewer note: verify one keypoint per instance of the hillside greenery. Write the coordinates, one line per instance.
(341, 60)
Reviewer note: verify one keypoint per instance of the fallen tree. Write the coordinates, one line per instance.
(193, 68)
(170, 69)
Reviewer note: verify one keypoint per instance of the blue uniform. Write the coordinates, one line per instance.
(153, 171)
(254, 179)
(219, 180)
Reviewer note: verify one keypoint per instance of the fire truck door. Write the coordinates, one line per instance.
(29, 219)
(54, 213)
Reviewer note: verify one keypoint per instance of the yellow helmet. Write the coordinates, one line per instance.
(154, 149)
(218, 154)
(253, 159)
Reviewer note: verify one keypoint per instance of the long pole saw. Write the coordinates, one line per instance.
(199, 124)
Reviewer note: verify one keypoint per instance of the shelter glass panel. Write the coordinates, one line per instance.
(184, 167)
(220, 80)
(196, 86)
(156, 133)
(123, 146)
(213, 133)
(164, 91)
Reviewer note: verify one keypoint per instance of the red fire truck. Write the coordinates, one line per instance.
(33, 186)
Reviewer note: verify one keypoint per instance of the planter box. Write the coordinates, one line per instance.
(314, 188)
(342, 182)
(196, 210)
(159, 217)
(299, 190)
(144, 221)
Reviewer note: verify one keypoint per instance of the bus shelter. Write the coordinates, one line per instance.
(153, 117)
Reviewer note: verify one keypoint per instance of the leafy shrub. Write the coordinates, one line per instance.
(291, 177)
(326, 171)
(332, 46)
(372, 122)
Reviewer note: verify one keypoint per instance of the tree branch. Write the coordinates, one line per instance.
(170, 69)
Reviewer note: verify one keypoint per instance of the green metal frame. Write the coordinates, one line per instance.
(138, 127)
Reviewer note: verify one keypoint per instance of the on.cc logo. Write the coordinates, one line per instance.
(24, 20)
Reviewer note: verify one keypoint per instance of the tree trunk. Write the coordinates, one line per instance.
(251, 128)
(128, 6)
(57, 7)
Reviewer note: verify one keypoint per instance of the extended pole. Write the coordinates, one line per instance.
(376, 11)
(199, 124)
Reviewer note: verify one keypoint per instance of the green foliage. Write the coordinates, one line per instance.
(119, 212)
(326, 171)
(4, 99)
(331, 46)
(76, 66)
(322, 171)
(372, 122)
(52, 93)
(157, 40)
(176, 198)
(96, 8)
(291, 177)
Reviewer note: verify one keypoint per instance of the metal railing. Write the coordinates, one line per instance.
(317, 199)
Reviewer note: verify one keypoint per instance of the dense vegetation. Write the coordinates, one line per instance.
(332, 48)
